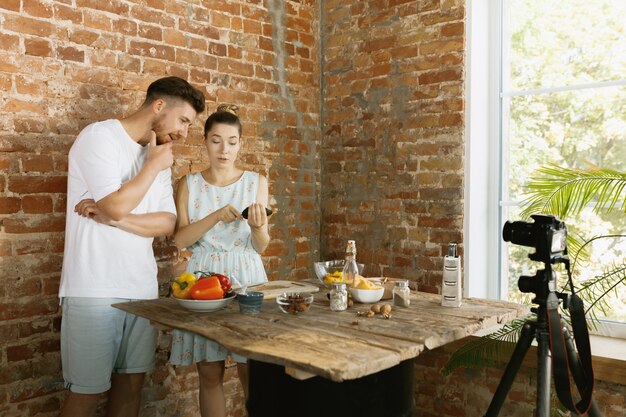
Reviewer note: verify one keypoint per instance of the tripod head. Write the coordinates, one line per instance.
(541, 284)
(548, 236)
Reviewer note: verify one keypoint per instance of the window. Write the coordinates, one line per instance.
(546, 84)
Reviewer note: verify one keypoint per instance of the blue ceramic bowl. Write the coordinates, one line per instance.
(250, 301)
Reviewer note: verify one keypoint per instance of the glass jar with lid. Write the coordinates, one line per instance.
(338, 297)
(402, 294)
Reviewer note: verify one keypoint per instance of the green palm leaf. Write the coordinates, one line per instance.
(564, 192)
(593, 291)
(489, 349)
(561, 192)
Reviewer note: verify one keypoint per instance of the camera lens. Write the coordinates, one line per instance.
(519, 233)
(527, 284)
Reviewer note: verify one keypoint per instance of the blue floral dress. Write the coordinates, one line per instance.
(225, 249)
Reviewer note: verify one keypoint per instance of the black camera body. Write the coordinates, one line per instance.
(547, 235)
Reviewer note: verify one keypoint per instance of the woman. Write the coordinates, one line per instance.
(210, 224)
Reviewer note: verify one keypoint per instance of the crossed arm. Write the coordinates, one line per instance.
(159, 223)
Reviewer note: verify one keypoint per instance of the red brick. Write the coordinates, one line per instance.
(37, 163)
(147, 49)
(173, 37)
(27, 25)
(219, 20)
(20, 106)
(235, 67)
(440, 47)
(112, 6)
(64, 12)
(70, 54)
(217, 49)
(26, 247)
(150, 32)
(452, 119)
(6, 250)
(233, 9)
(9, 42)
(37, 47)
(19, 353)
(37, 184)
(60, 202)
(204, 30)
(153, 66)
(378, 44)
(37, 8)
(266, 44)
(30, 86)
(440, 76)
(252, 27)
(11, 5)
(9, 205)
(453, 29)
(34, 224)
(96, 20)
(36, 204)
(129, 63)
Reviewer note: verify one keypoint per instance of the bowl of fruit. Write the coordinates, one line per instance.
(207, 292)
(363, 290)
(330, 272)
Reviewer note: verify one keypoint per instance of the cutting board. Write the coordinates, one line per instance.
(272, 289)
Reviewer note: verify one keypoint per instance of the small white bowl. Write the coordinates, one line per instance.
(367, 296)
(204, 305)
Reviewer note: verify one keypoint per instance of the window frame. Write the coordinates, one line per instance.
(484, 157)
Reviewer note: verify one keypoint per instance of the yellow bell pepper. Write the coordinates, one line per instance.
(182, 285)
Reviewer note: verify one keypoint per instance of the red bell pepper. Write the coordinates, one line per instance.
(208, 288)
(223, 279)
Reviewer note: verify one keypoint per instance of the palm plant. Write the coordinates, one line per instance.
(564, 193)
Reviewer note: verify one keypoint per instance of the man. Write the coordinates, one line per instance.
(119, 198)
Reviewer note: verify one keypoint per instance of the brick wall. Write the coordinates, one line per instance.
(392, 146)
(383, 108)
(467, 392)
(65, 64)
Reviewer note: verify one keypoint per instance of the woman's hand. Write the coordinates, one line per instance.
(228, 214)
(257, 217)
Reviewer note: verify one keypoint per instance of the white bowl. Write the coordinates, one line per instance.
(366, 296)
(204, 305)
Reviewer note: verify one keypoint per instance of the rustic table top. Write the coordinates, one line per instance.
(336, 345)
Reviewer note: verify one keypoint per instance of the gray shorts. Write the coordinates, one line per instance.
(97, 340)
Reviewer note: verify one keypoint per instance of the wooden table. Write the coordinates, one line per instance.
(336, 345)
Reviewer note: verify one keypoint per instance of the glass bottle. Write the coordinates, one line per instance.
(338, 297)
(350, 268)
(402, 294)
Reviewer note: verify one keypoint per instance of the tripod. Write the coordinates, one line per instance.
(538, 328)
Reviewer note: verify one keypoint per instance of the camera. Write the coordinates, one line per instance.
(547, 235)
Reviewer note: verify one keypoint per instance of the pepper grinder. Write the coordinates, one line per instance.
(452, 281)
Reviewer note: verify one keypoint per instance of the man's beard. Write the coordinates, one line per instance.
(157, 127)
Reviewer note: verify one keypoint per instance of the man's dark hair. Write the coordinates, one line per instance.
(177, 88)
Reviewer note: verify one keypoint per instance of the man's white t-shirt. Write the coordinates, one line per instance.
(101, 260)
